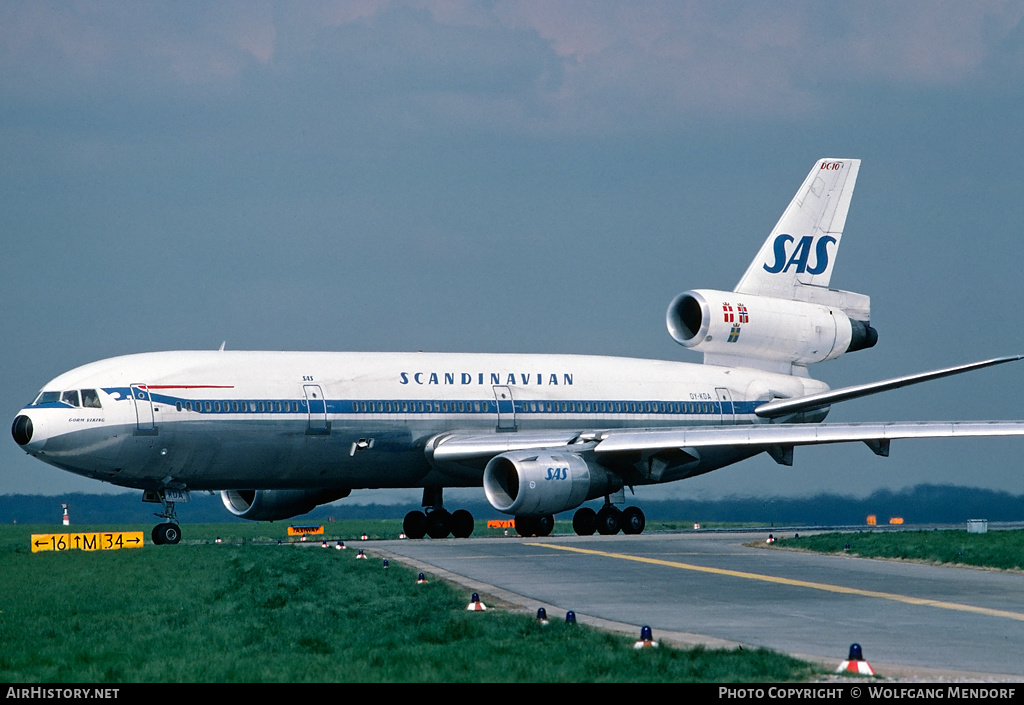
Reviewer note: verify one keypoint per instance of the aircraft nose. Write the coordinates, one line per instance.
(21, 429)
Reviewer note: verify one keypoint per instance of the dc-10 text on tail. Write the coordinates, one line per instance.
(278, 433)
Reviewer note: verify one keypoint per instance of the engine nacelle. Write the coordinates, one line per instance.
(533, 483)
(271, 505)
(798, 332)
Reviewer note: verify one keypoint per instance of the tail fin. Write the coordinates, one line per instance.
(801, 249)
(782, 316)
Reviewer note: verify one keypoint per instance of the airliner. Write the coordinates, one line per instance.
(279, 433)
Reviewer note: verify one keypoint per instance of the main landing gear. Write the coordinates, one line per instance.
(608, 521)
(585, 522)
(436, 521)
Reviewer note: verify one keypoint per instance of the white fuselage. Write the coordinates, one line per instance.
(277, 420)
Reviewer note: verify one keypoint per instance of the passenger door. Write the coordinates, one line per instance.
(317, 407)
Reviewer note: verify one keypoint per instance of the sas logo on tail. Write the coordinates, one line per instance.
(800, 255)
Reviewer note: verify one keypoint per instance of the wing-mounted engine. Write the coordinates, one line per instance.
(272, 505)
(536, 483)
(726, 325)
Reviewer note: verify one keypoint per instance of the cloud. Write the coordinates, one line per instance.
(530, 66)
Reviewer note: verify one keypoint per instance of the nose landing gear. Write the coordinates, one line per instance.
(169, 532)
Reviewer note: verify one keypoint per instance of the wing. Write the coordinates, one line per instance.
(460, 448)
(876, 435)
(467, 447)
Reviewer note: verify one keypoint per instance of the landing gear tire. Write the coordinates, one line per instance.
(584, 521)
(166, 534)
(609, 520)
(535, 526)
(525, 526)
(633, 520)
(439, 524)
(415, 525)
(461, 523)
(545, 524)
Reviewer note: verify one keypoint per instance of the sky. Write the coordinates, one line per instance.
(535, 176)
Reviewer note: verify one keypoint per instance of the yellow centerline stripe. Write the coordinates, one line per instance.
(796, 583)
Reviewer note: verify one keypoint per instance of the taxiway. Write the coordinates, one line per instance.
(718, 590)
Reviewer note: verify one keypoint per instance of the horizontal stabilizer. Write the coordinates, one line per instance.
(785, 407)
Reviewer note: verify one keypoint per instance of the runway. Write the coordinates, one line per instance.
(712, 589)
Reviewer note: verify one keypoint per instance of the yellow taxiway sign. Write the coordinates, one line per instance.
(99, 541)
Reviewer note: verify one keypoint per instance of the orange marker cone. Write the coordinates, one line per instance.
(475, 605)
(855, 663)
(646, 639)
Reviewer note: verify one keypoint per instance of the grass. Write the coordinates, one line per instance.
(248, 610)
(995, 549)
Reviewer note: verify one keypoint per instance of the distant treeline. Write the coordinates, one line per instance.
(923, 504)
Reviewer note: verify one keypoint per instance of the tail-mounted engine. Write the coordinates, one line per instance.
(272, 505)
(534, 483)
(782, 330)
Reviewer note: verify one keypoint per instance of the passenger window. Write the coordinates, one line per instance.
(91, 399)
(71, 398)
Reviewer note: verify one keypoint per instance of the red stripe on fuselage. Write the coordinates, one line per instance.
(186, 386)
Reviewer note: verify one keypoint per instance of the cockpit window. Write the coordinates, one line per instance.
(88, 398)
(47, 398)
